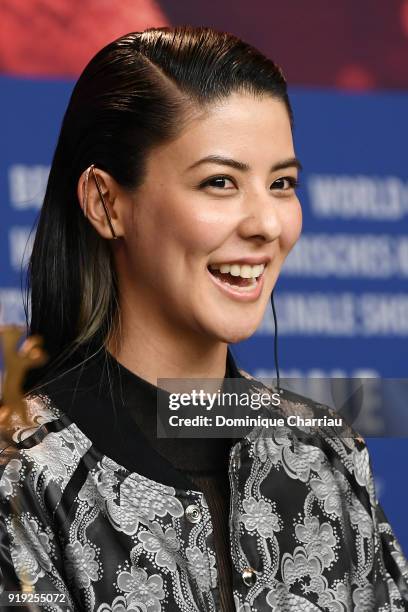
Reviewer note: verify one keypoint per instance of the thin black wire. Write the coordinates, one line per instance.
(275, 343)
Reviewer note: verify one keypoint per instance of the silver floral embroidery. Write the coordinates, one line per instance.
(335, 600)
(53, 454)
(142, 502)
(143, 592)
(81, 563)
(118, 605)
(299, 565)
(89, 493)
(163, 544)
(301, 461)
(260, 517)
(361, 466)
(201, 568)
(31, 548)
(281, 600)
(107, 484)
(330, 488)
(11, 475)
(72, 435)
(268, 446)
(318, 538)
(360, 518)
(245, 607)
(399, 558)
(363, 598)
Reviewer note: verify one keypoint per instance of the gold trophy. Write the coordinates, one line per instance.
(13, 409)
(16, 363)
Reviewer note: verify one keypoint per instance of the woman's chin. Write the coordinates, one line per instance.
(236, 333)
(230, 323)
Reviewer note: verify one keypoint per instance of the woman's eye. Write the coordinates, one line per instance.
(219, 182)
(285, 183)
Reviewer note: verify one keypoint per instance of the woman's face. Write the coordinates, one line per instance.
(221, 193)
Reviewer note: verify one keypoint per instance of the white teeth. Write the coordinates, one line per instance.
(244, 288)
(245, 271)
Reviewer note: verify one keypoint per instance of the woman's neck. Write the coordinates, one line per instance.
(151, 357)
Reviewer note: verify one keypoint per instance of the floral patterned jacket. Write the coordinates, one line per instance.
(307, 533)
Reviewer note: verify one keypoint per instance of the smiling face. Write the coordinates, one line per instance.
(222, 192)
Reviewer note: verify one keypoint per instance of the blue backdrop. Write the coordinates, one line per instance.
(341, 300)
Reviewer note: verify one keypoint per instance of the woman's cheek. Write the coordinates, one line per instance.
(292, 226)
(205, 233)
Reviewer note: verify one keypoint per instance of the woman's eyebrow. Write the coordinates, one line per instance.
(292, 162)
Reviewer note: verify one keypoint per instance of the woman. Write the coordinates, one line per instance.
(177, 146)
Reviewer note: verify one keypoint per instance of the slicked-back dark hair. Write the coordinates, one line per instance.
(131, 96)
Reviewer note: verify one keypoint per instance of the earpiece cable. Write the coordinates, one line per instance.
(275, 342)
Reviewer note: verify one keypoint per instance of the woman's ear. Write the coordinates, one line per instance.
(98, 196)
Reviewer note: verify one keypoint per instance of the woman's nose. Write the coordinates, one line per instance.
(260, 218)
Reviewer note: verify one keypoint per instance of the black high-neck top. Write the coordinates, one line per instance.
(116, 409)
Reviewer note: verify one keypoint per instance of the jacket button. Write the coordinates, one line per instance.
(193, 514)
(248, 576)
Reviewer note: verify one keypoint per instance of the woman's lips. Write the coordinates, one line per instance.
(239, 294)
